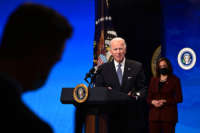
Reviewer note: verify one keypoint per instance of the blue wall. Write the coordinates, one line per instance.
(70, 71)
(182, 29)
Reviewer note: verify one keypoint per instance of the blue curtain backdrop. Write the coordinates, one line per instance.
(182, 29)
(70, 71)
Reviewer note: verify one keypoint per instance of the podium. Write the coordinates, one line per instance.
(98, 98)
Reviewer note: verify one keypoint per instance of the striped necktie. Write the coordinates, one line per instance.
(119, 73)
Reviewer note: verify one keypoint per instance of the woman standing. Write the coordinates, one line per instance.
(163, 96)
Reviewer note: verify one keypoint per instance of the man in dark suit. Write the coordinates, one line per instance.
(126, 76)
(32, 43)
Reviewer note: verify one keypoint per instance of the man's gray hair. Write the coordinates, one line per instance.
(118, 39)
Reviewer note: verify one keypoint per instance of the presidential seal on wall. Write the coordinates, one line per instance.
(80, 93)
(186, 58)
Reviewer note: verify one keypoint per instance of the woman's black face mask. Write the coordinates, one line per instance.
(164, 71)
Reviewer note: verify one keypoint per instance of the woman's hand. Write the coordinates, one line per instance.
(158, 103)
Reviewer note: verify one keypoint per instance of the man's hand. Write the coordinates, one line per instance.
(129, 93)
(109, 88)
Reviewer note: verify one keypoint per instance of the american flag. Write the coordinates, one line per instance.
(101, 59)
(104, 32)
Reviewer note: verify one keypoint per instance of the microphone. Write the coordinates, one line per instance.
(98, 70)
(89, 74)
(93, 72)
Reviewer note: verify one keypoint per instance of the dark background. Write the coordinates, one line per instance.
(140, 23)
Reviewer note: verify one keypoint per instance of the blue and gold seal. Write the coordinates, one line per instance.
(186, 58)
(80, 93)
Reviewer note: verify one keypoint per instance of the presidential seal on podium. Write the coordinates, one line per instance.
(80, 93)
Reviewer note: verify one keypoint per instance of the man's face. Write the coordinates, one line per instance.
(118, 50)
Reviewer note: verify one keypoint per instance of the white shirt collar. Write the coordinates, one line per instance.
(122, 65)
(117, 63)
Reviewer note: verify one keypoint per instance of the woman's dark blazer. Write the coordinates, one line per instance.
(171, 91)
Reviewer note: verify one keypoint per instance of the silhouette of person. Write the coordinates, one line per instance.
(32, 43)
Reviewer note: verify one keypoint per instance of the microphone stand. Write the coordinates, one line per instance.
(92, 75)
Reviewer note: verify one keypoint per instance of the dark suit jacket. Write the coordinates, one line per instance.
(125, 117)
(171, 91)
(133, 77)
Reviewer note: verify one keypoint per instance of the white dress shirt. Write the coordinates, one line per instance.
(122, 65)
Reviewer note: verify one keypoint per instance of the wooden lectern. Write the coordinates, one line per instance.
(97, 98)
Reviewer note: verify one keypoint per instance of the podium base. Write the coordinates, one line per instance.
(96, 124)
